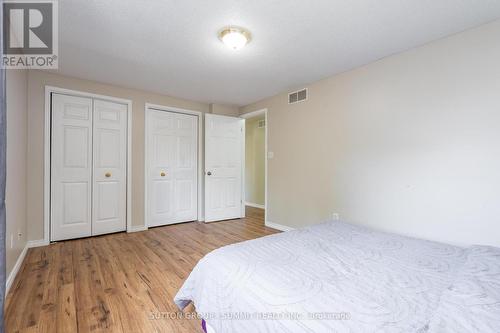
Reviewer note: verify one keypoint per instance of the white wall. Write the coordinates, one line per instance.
(15, 191)
(409, 144)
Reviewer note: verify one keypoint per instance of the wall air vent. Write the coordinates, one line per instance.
(297, 96)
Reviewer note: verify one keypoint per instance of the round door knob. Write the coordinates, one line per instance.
(162, 173)
(209, 173)
(108, 174)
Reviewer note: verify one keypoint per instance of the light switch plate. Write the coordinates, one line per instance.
(270, 155)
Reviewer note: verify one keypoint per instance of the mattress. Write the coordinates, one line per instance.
(338, 277)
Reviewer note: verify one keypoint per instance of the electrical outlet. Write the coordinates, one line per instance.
(19, 234)
(335, 216)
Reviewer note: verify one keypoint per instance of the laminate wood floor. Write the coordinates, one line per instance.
(120, 282)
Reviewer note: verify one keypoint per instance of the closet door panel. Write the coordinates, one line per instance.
(172, 180)
(161, 146)
(186, 167)
(71, 167)
(110, 167)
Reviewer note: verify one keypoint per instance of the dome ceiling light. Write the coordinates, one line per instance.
(235, 37)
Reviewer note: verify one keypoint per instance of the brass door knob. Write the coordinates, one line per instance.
(108, 174)
(162, 173)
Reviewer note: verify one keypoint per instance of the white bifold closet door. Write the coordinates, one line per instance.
(110, 167)
(71, 167)
(88, 167)
(172, 164)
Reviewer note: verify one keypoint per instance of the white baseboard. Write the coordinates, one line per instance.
(15, 270)
(137, 228)
(37, 243)
(277, 226)
(251, 204)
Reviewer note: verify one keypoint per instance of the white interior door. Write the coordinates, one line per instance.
(71, 167)
(223, 167)
(172, 164)
(110, 167)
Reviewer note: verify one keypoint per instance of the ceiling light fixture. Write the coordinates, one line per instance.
(235, 37)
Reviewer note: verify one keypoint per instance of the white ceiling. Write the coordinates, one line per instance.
(171, 46)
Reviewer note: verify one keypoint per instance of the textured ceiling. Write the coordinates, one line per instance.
(171, 47)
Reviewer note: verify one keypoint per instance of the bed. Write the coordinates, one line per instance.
(338, 277)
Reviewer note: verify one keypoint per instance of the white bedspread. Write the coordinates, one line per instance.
(352, 278)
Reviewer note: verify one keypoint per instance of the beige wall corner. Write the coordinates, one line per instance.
(37, 80)
(15, 192)
(224, 110)
(408, 144)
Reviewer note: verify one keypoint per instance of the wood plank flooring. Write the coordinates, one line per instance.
(118, 283)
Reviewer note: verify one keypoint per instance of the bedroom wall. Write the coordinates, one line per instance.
(15, 191)
(255, 138)
(224, 110)
(408, 144)
(36, 90)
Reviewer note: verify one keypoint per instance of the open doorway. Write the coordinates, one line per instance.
(255, 163)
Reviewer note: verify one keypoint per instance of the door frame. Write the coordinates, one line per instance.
(266, 198)
(164, 108)
(47, 207)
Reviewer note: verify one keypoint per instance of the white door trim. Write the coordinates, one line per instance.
(251, 115)
(199, 114)
(47, 133)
